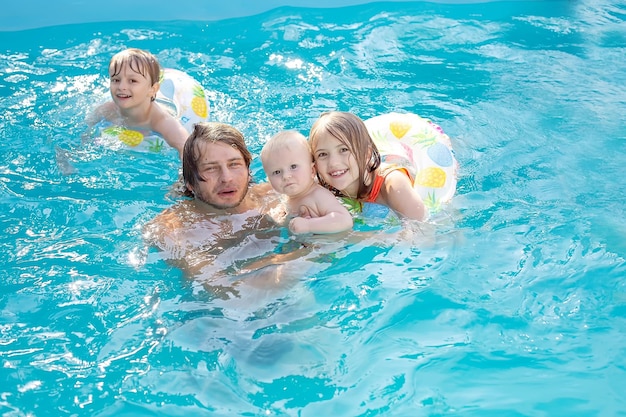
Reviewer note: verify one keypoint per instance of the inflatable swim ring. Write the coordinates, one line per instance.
(184, 96)
(408, 141)
(180, 94)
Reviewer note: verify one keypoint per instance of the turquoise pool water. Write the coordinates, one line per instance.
(514, 304)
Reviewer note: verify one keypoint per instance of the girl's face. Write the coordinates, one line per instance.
(336, 165)
(130, 89)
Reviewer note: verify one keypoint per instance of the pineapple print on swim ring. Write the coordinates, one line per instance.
(421, 148)
(180, 94)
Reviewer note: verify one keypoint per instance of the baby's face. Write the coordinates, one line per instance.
(290, 170)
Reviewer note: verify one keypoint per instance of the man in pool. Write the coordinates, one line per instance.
(226, 223)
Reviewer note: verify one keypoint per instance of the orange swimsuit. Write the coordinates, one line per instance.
(379, 180)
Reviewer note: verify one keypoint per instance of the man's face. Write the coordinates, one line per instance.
(226, 176)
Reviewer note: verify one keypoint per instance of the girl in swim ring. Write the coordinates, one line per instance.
(134, 84)
(349, 163)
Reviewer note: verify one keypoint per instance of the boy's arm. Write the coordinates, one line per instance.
(103, 111)
(172, 131)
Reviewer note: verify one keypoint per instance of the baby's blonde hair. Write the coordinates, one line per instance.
(285, 139)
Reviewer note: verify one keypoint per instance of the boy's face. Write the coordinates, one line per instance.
(130, 89)
(290, 170)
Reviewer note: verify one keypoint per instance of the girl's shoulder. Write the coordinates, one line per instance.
(396, 176)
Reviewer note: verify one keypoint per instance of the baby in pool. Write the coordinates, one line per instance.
(288, 163)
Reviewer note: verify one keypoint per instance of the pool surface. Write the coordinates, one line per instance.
(38, 13)
(512, 302)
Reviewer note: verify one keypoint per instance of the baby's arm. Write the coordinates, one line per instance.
(401, 197)
(333, 216)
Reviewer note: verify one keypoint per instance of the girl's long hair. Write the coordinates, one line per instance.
(350, 130)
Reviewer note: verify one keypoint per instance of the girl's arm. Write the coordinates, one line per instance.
(398, 193)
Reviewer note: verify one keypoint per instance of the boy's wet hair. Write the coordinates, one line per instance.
(204, 133)
(140, 61)
(350, 130)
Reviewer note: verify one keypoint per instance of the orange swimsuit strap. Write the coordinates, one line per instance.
(379, 180)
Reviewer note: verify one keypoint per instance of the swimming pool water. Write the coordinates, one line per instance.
(513, 304)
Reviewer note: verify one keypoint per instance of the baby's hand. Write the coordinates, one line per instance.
(298, 225)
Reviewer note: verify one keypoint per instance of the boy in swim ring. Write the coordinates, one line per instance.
(348, 162)
(288, 163)
(134, 83)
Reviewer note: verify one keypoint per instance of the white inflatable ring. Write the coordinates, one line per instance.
(421, 147)
(185, 97)
(180, 94)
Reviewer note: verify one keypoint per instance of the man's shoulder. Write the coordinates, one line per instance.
(178, 207)
(180, 226)
(172, 217)
(263, 191)
(262, 188)
(263, 197)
